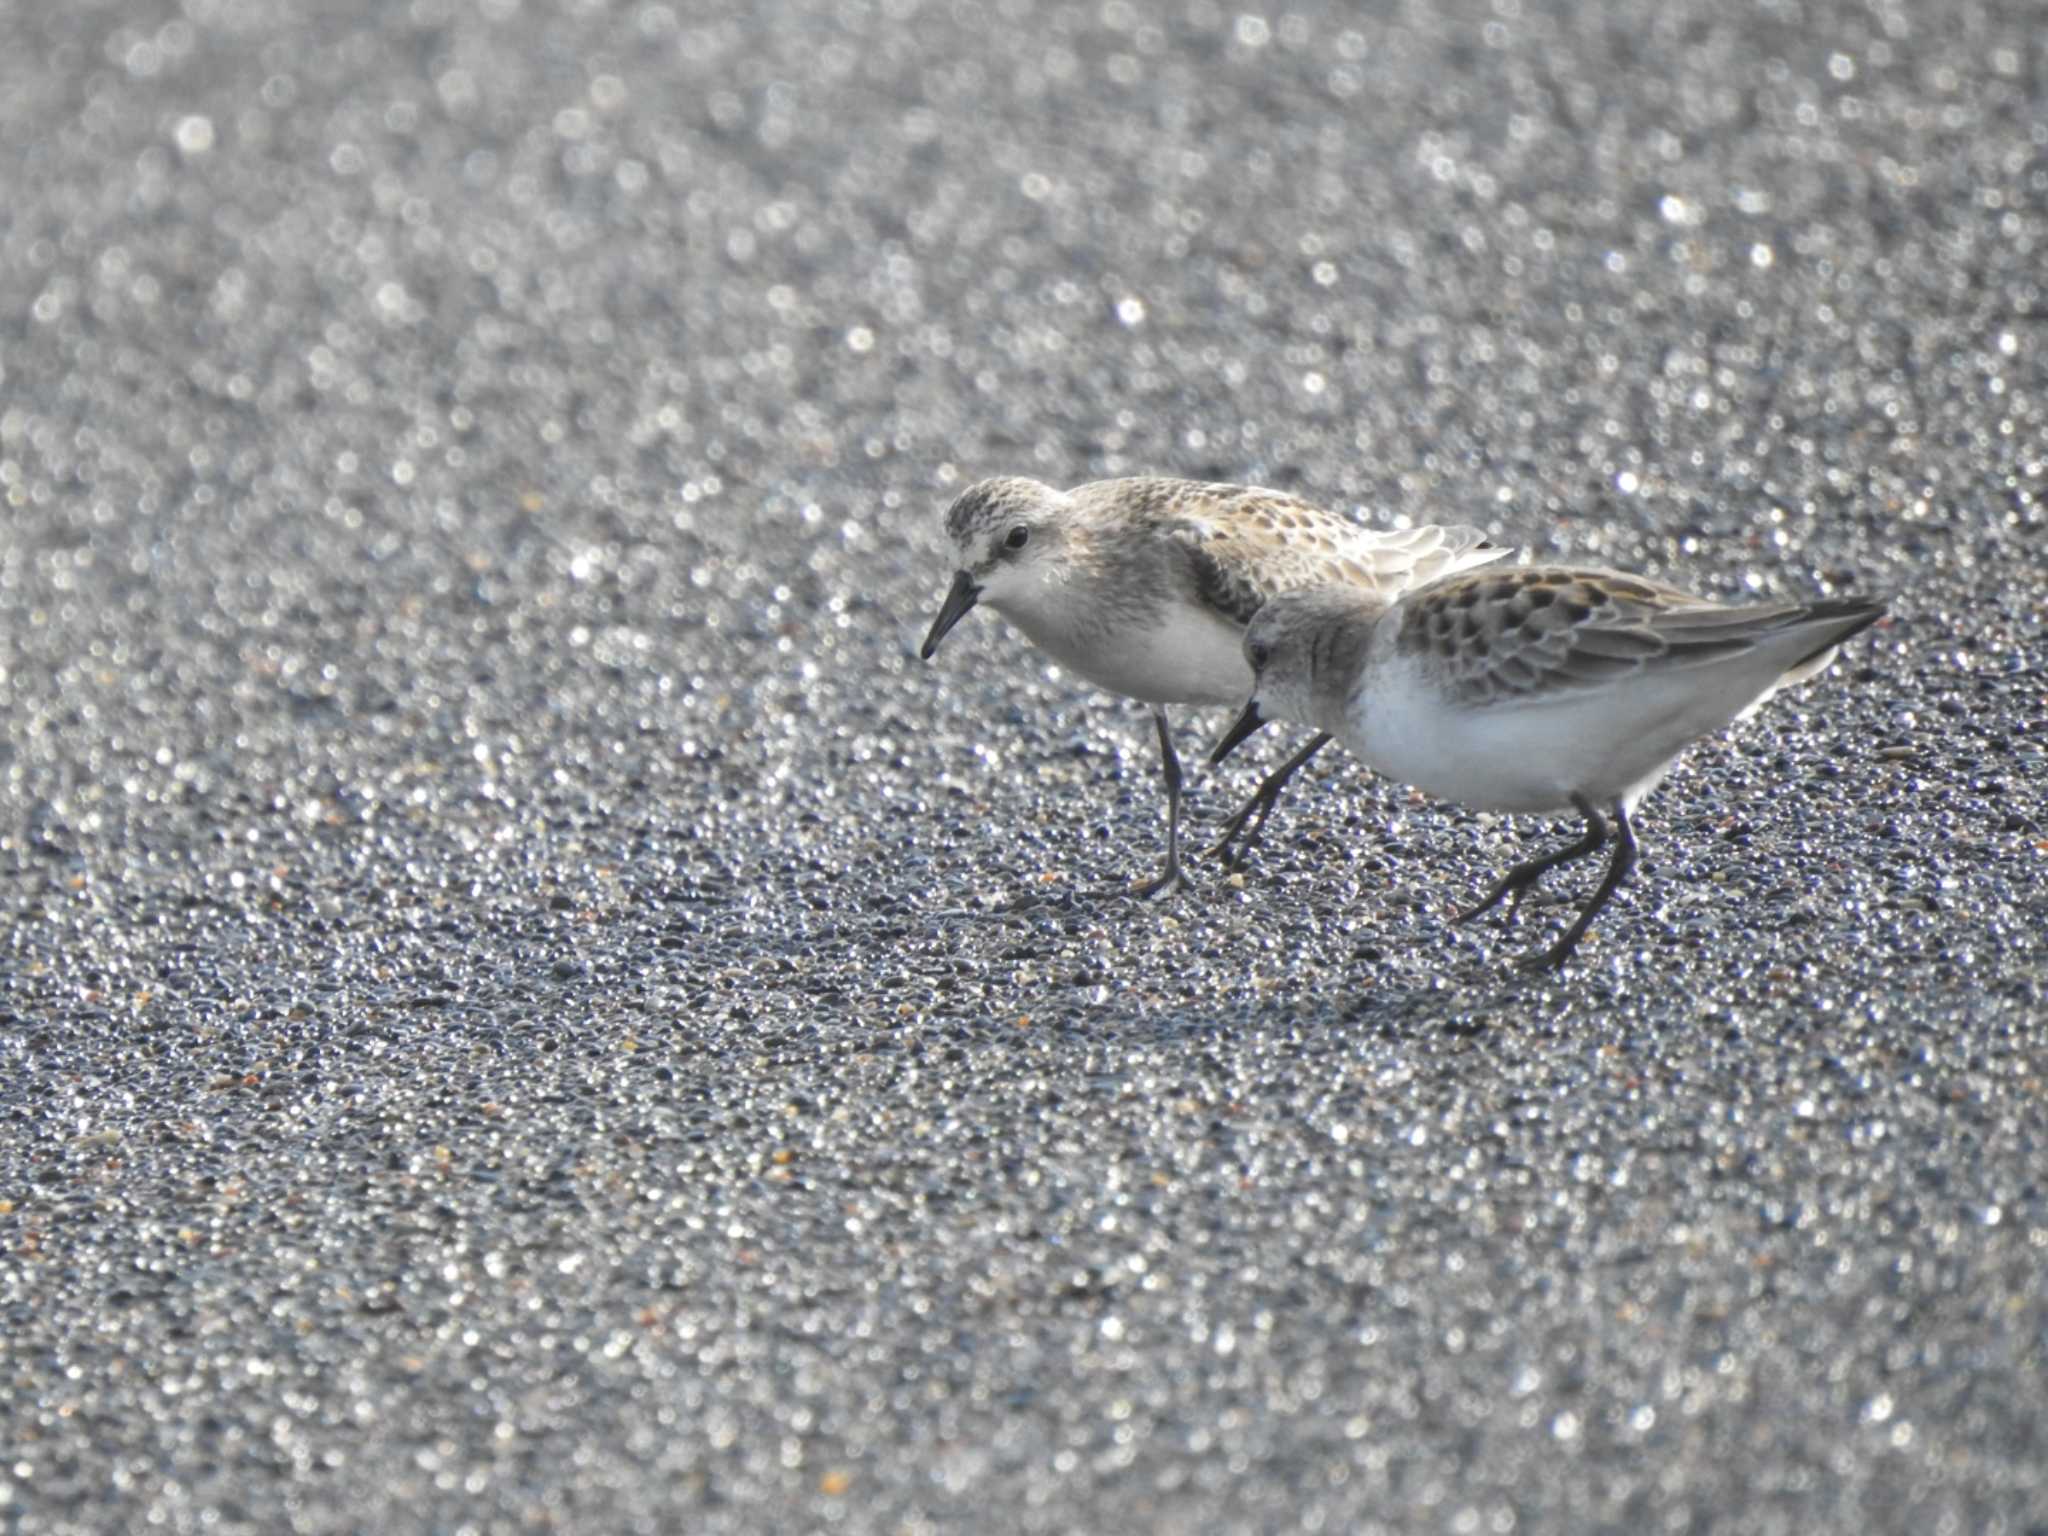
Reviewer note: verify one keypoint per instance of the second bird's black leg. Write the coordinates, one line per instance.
(1168, 879)
(1261, 804)
(1619, 863)
(1518, 880)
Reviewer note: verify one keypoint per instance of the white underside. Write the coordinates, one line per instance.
(1189, 657)
(1799, 674)
(1606, 745)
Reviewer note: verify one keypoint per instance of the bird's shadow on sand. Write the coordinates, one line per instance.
(1466, 981)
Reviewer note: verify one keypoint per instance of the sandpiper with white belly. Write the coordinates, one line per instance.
(1144, 587)
(1541, 688)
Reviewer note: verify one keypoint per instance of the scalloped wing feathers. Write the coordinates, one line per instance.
(1534, 633)
(1244, 544)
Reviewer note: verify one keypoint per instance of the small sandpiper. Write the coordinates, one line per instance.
(1144, 587)
(1541, 688)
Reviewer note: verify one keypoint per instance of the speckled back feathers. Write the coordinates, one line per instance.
(1234, 546)
(1519, 635)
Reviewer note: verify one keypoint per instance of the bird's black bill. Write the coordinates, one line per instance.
(1244, 725)
(959, 598)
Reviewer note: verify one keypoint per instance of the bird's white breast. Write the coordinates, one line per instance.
(1534, 755)
(1178, 655)
(1508, 756)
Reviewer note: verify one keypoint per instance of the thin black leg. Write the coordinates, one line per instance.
(1168, 879)
(1619, 863)
(1262, 805)
(1517, 881)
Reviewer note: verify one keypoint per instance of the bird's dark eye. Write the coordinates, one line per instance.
(1019, 537)
(1258, 653)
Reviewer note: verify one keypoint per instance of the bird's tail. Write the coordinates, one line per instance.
(1837, 618)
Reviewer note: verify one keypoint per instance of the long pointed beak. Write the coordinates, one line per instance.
(959, 598)
(1244, 725)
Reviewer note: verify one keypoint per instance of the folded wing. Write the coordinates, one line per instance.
(1245, 544)
(1534, 634)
